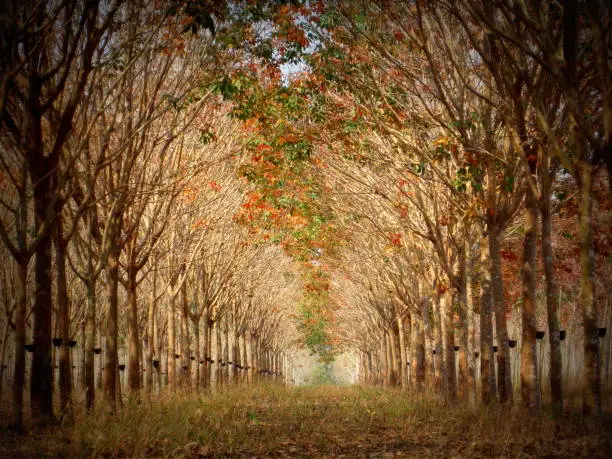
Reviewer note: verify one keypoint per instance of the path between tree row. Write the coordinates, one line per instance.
(325, 421)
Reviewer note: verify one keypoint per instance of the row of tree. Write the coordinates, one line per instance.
(119, 190)
(456, 129)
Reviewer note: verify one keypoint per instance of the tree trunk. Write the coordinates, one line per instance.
(418, 336)
(150, 349)
(386, 351)
(205, 349)
(471, 326)
(214, 355)
(448, 340)
(529, 374)
(243, 358)
(219, 352)
(249, 349)
(90, 343)
(186, 357)
(63, 304)
(196, 352)
(591, 388)
(225, 344)
(403, 357)
(111, 357)
(171, 343)
(462, 331)
(393, 343)
(487, 376)
(552, 294)
(436, 354)
(133, 340)
(3, 355)
(504, 380)
(20, 342)
(41, 382)
(234, 355)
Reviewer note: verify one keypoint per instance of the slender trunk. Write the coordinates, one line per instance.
(249, 349)
(81, 359)
(157, 351)
(471, 344)
(402, 353)
(219, 353)
(150, 349)
(462, 330)
(233, 364)
(504, 380)
(448, 340)
(214, 355)
(171, 343)
(418, 335)
(225, 360)
(529, 375)
(186, 357)
(41, 381)
(133, 341)
(205, 349)
(487, 376)
(393, 342)
(591, 387)
(243, 358)
(111, 357)
(99, 383)
(436, 355)
(196, 352)
(428, 338)
(387, 359)
(90, 344)
(63, 304)
(3, 355)
(552, 295)
(20, 342)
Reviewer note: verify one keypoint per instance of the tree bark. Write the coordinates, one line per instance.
(471, 327)
(403, 357)
(63, 304)
(448, 340)
(41, 382)
(386, 352)
(487, 376)
(552, 293)
(418, 336)
(205, 349)
(171, 343)
(133, 340)
(90, 338)
(196, 352)
(150, 348)
(111, 357)
(462, 331)
(591, 387)
(529, 365)
(186, 357)
(393, 343)
(19, 342)
(504, 380)
(437, 357)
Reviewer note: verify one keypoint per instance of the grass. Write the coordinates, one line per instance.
(270, 420)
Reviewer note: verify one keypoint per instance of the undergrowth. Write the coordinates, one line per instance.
(270, 420)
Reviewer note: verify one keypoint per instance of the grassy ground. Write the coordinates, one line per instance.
(324, 421)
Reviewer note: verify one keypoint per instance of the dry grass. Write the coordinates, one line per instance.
(269, 420)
